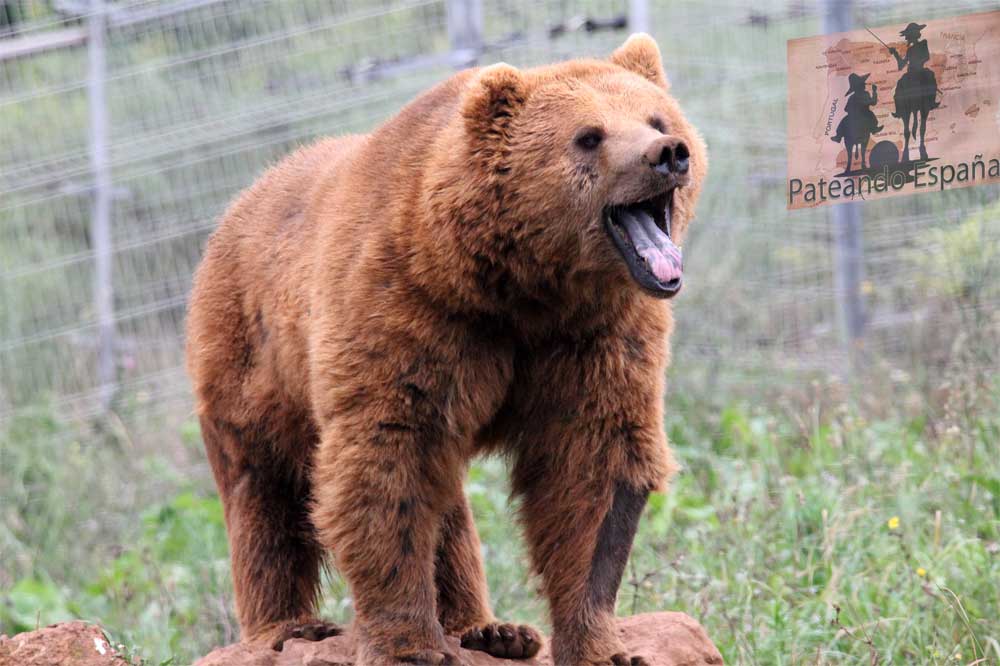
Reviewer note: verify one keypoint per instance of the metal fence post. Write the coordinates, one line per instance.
(465, 31)
(638, 16)
(848, 249)
(100, 223)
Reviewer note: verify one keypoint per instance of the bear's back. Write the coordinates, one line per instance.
(250, 282)
(313, 220)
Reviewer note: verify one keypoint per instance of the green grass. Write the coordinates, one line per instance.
(783, 514)
(782, 519)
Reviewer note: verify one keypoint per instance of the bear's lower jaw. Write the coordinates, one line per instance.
(641, 233)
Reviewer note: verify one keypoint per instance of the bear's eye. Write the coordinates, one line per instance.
(657, 123)
(590, 138)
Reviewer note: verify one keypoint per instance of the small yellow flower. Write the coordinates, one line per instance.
(867, 287)
(893, 523)
(958, 656)
(922, 572)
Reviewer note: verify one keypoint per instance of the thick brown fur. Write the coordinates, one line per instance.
(376, 310)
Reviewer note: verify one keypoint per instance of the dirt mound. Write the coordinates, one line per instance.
(665, 639)
(66, 644)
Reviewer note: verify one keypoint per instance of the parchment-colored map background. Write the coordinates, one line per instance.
(965, 59)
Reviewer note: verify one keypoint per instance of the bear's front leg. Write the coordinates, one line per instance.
(396, 436)
(378, 508)
(591, 449)
(581, 533)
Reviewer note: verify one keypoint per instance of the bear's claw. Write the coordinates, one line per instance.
(505, 641)
(310, 631)
(622, 659)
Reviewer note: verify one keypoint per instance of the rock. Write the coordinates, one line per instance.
(664, 639)
(66, 644)
(668, 639)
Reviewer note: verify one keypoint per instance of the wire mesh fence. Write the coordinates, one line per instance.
(164, 109)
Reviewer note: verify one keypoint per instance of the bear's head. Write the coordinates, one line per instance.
(578, 175)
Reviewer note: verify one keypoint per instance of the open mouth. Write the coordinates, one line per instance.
(641, 232)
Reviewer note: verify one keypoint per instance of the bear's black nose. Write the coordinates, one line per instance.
(668, 155)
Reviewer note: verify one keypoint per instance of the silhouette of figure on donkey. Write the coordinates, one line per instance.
(916, 91)
(859, 122)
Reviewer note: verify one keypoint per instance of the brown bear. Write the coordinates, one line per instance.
(484, 273)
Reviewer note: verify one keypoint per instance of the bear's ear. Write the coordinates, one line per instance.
(494, 96)
(640, 55)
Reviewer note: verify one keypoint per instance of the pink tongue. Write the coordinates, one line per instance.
(663, 268)
(661, 254)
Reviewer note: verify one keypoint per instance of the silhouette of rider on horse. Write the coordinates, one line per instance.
(916, 91)
(859, 122)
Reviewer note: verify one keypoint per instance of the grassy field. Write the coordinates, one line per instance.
(808, 531)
